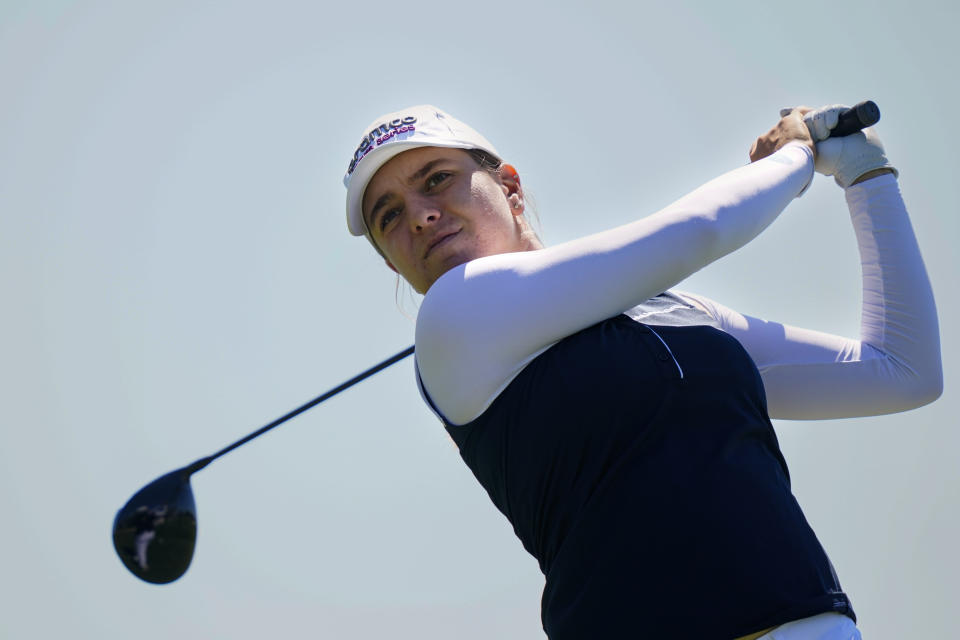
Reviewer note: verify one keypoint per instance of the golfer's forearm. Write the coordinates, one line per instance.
(898, 316)
(742, 203)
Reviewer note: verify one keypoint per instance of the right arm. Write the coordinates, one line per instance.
(483, 321)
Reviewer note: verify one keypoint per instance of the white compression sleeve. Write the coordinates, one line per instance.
(483, 321)
(895, 366)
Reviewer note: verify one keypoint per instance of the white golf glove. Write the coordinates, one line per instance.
(846, 158)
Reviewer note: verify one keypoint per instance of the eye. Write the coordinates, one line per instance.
(436, 178)
(387, 216)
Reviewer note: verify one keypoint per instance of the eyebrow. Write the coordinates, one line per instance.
(418, 175)
(424, 170)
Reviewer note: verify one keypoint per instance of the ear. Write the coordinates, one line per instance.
(510, 183)
(510, 178)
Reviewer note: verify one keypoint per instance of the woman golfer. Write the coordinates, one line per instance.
(624, 429)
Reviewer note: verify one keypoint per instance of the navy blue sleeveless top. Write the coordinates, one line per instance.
(637, 463)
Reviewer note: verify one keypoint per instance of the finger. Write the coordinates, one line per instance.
(802, 109)
(816, 122)
(832, 115)
(822, 120)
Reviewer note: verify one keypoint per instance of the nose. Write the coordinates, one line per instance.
(423, 214)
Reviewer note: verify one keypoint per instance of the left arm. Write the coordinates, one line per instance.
(895, 364)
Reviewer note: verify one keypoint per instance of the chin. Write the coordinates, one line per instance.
(442, 264)
(457, 258)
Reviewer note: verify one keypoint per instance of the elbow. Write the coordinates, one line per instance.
(930, 381)
(725, 228)
(704, 240)
(931, 389)
(906, 382)
(923, 389)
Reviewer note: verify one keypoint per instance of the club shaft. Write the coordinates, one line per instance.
(201, 463)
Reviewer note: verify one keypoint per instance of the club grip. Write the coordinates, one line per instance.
(859, 116)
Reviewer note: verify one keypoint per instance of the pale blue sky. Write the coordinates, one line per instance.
(177, 272)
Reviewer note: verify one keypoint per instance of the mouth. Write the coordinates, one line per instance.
(439, 240)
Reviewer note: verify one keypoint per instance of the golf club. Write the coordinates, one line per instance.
(156, 531)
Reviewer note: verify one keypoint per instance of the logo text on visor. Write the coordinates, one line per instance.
(379, 135)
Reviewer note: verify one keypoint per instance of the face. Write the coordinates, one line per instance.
(432, 208)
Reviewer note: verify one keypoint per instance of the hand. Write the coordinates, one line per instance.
(849, 159)
(790, 128)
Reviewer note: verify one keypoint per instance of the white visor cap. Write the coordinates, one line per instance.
(394, 133)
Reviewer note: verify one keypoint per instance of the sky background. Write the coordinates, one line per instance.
(176, 272)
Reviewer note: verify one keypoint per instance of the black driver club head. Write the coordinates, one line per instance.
(156, 531)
